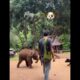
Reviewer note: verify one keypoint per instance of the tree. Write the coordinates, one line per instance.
(32, 13)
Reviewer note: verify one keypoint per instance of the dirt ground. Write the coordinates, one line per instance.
(59, 70)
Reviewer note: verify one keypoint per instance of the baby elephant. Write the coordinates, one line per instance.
(27, 55)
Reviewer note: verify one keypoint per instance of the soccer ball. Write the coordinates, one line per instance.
(50, 15)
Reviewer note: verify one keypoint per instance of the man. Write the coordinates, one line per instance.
(45, 52)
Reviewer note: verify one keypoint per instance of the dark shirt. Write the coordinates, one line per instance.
(41, 46)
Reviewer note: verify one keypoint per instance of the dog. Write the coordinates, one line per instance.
(68, 61)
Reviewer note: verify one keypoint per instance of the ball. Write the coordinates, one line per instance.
(50, 15)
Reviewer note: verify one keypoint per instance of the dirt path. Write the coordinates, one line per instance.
(59, 71)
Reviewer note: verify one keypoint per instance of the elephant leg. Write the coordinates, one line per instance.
(30, 63)
(19, 63)
(26, 63)
(36, 61)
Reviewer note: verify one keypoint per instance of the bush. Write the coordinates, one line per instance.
(15, 42)
(30, 38)
(65, 39)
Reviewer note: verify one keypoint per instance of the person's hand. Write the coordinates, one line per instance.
(53, 60)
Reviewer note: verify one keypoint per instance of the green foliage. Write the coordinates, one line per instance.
(14, 41)
(30, 38)
(32, 13)
(65, 39)
(21, 37)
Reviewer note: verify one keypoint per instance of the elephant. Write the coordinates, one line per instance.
(28, 55)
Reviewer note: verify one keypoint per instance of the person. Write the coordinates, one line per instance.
(46, 54)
